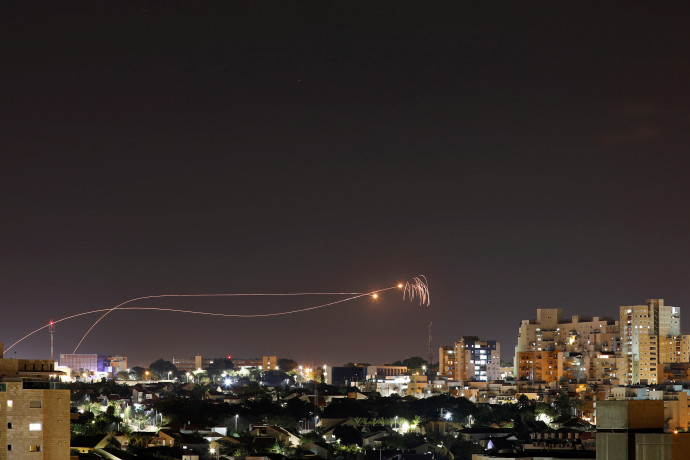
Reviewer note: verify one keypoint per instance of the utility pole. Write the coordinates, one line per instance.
(52, 330)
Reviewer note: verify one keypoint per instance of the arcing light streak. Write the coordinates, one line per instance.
(108, 311)
(416, 287)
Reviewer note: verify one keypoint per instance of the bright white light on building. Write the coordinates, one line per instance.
(34, 427)
(448, 415)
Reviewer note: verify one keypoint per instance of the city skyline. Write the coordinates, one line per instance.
(519, 156)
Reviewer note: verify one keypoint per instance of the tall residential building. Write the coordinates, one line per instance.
(34, 419)
(537, 366)
(478, 360)
(674, 349)
(446, 362)
(551, 331)
(644, 330)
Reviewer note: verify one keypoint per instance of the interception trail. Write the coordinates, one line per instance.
(417, 287)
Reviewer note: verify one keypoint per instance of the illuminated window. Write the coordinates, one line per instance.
(9, 403)
(34, 427)
(35, 448)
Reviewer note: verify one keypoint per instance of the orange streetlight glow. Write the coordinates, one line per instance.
(400, 285)
(375, 296)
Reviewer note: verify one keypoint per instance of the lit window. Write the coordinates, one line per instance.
(9, 403)
(34, 427)
(35, 448)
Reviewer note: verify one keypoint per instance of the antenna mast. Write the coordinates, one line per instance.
(52, 331)
(431, 356)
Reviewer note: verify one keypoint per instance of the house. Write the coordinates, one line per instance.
(372, 438)
(319, 449)
(280, 433)
(168, 438)
(476, 433)
(88, 444)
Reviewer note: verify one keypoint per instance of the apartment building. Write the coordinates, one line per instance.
(476, 359)
(645, 329)
(582, 339)
(446, 362)
(34, 419)
(537, 366)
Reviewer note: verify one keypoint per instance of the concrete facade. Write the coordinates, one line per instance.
(643, 329)
(34, 419)
(478, 360)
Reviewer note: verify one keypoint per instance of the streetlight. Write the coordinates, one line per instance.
(169, 372)
(396, 422)
(236, 415)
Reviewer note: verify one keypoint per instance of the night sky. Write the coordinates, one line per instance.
(519, 154)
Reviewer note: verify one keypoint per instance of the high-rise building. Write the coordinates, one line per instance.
(34, 419)
(478, 360)
(644, 329)
(446, 362)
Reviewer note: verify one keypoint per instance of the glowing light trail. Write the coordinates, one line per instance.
(204, 295)
(416, 288)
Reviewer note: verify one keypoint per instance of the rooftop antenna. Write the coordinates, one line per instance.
(52, 331)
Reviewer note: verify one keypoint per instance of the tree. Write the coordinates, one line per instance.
(287, 364)
(299, 409)
(275, 378)
(345, 408)
(161, 367)
(348, 435)
(138, 372)
(218, 367)
(413, 363)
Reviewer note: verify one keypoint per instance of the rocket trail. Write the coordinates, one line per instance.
(417, 287)
(202, 295)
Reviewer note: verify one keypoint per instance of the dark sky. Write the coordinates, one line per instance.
(519, 154)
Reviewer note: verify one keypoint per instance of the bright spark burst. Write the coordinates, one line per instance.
(418, 287)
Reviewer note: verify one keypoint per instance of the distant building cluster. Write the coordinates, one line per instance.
(266, 363)
(92, 365)
(644, 346)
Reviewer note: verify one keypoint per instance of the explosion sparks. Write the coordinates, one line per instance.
(418, 287)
